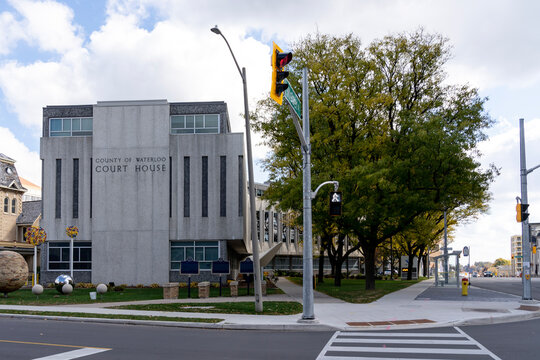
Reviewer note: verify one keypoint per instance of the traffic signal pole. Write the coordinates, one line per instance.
(307, 288)
(526, 246)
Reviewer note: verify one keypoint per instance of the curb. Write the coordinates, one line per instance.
(181, 324)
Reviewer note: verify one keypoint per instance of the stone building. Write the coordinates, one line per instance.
(147, 183)
(13, 209)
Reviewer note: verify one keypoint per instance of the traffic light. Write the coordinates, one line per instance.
(279, 60)
(335, 203)
(521, 212)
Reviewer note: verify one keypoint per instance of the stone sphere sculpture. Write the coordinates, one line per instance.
(62, 280)
(37, 289)
(101, 289)
(67, 289)
(13, 271)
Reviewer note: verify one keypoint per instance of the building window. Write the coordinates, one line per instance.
(195, 124)
(58, 189)
(75, 199)
(186, 186)
(58, 256)
(204, 186)
(258, 225)
(275, 227)
(203, 251)
(70, 126)
(223, 186)
(284, 229)
(266, 226)
(13, 206)
(6, 204)
(240, 185)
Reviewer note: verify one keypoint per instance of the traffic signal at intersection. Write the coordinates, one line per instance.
(521, 212)
(335, 203)
(279, 60)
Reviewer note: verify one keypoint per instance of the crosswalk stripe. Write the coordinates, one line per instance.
(330, 357)
(73, 354)
(352, 345)
(408, 350)
(402, 341)
(377, 334)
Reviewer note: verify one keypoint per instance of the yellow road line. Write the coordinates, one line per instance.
(48, 344)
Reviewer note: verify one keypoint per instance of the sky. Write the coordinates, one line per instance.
(75, 52)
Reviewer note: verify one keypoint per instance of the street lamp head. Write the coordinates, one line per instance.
(215, 30)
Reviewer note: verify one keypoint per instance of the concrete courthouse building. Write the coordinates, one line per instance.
(148, 184)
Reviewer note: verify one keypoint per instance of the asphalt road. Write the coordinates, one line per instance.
(34, 339)
(39, 339)
(507, 285)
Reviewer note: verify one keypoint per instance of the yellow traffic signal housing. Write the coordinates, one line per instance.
(521, 212)
(279, 60)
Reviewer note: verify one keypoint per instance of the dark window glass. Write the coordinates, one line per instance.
(204, 190)
(223, 186)
(75, 188)
(13, 206)
(6, 204)
(240, 185)
(186, 186)
(58, 197)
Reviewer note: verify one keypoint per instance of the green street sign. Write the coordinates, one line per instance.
(293, 99)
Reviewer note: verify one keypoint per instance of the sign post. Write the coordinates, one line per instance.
(220, 267)
(189, 267)
(246, 267)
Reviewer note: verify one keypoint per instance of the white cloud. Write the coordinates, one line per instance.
(27, 163)
(49, 24)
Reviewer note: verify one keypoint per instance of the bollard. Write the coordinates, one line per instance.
(464, 287)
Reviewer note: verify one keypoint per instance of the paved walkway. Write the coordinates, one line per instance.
(419, 305)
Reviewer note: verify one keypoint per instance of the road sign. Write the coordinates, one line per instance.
(293, 99)
(466, 251)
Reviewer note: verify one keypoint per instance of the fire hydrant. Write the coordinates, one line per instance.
(464, 287)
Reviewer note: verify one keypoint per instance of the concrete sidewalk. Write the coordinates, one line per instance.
(419, 305)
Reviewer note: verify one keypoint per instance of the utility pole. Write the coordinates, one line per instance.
(525, 242)
(445, 258)
(307, 288)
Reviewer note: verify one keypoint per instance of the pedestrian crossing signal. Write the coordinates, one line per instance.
(335, 203)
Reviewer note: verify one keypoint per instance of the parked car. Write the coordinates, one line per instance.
(488, 274)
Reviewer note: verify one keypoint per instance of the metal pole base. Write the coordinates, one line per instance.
(308, 321)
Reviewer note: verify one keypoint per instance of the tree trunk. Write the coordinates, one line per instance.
(410, 268)
(320, 279)
(369, 255)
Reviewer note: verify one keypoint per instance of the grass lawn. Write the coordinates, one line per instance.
(82, 296)
(353, 290)
(111, 316)
(269, 307)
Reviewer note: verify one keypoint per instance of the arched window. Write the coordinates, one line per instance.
(6, 204)
(13, 205)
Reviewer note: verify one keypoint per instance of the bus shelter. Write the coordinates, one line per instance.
(447, 275)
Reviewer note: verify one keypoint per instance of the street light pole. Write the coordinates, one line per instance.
(526, 270)
(254, 242)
